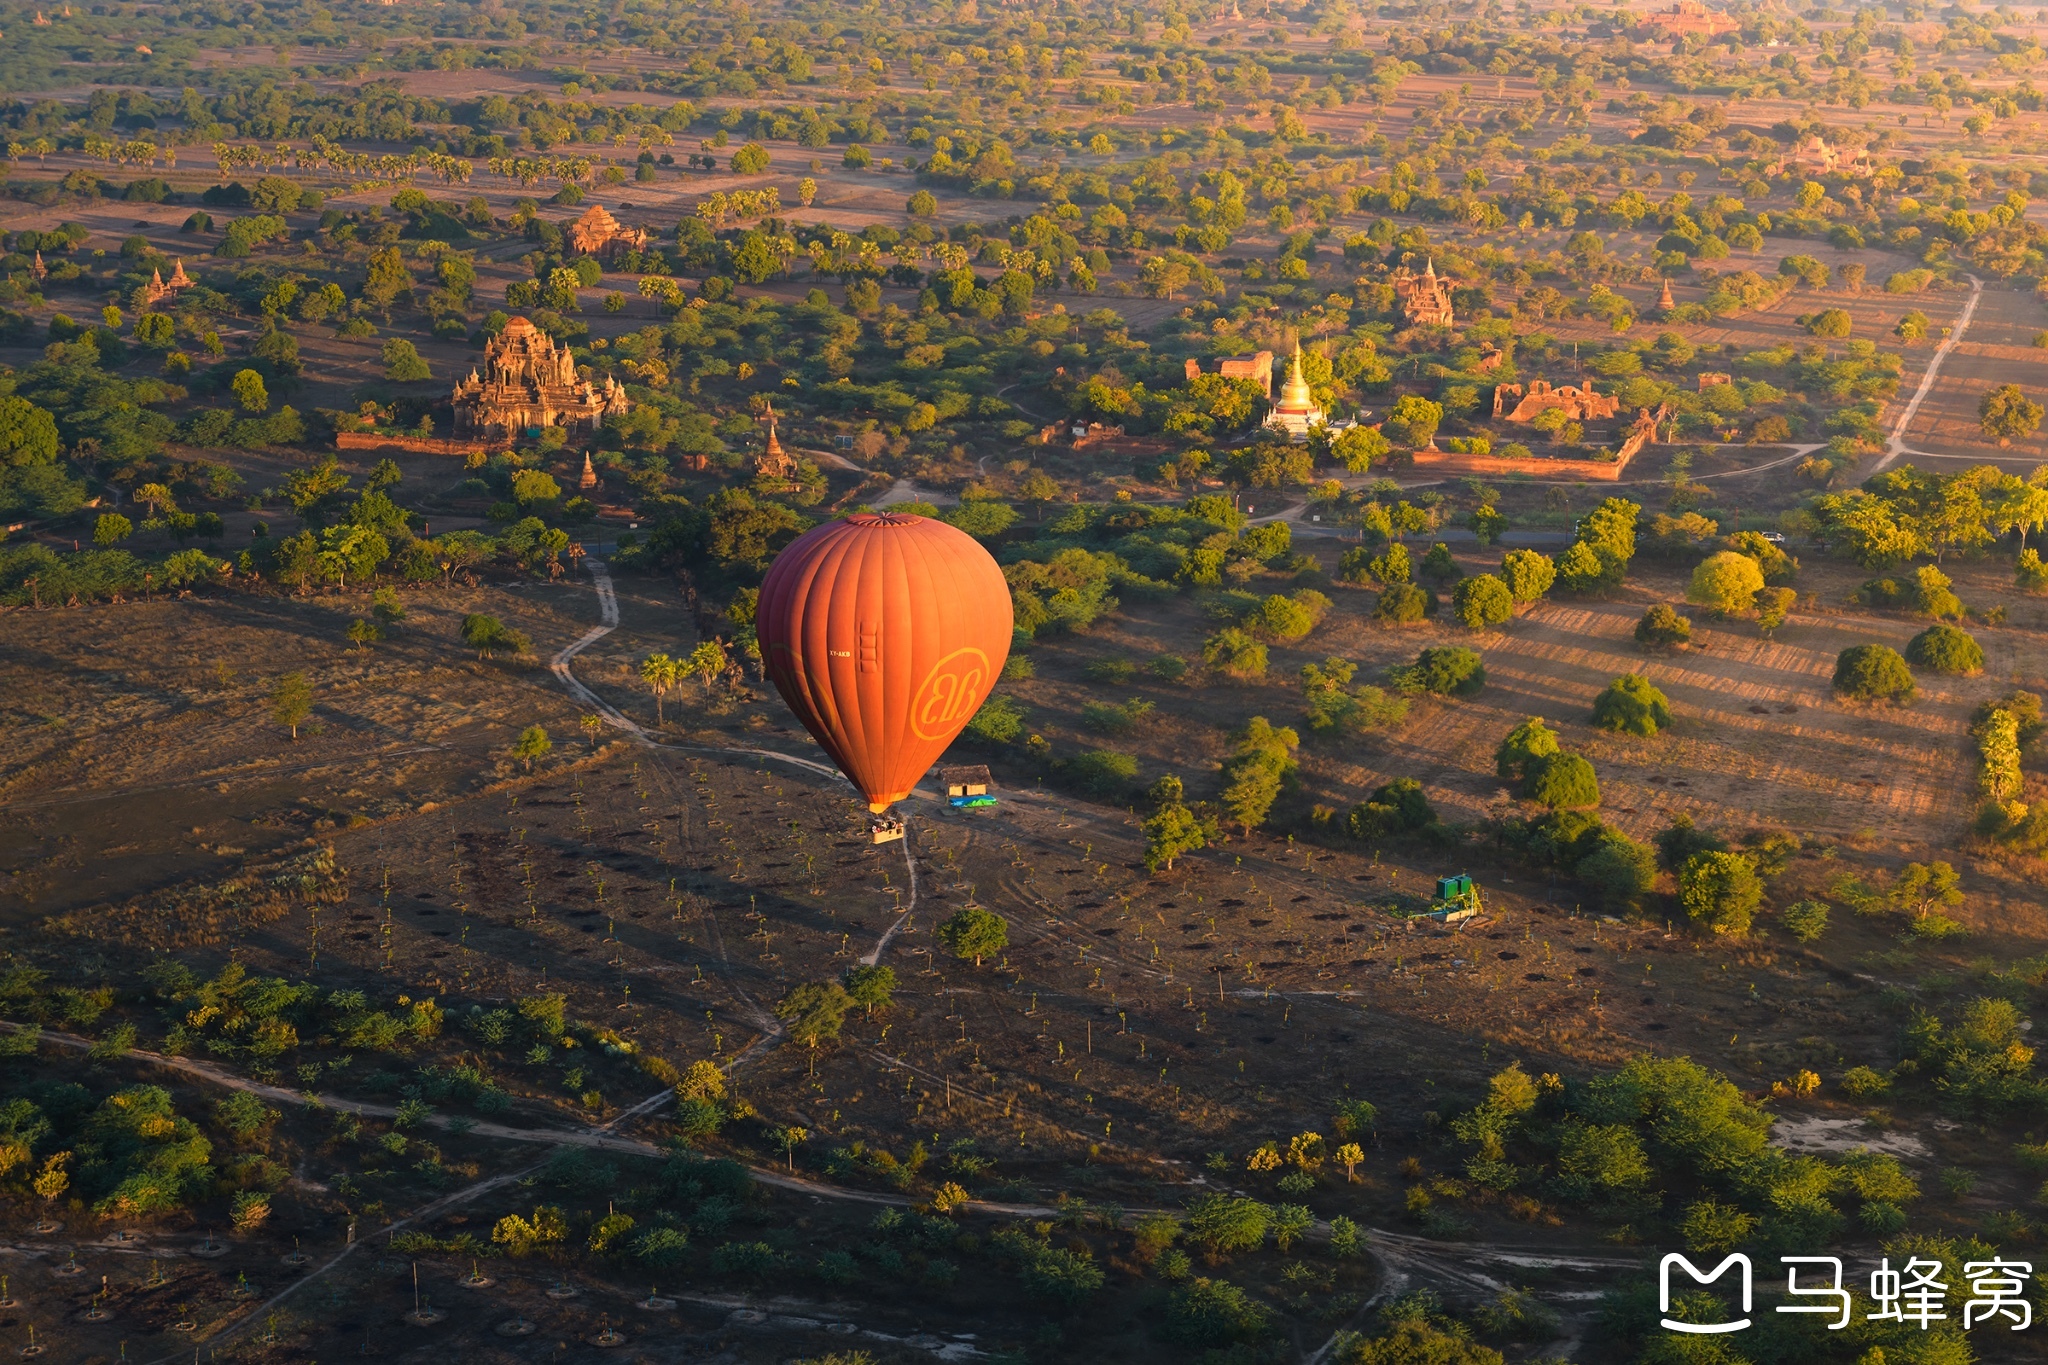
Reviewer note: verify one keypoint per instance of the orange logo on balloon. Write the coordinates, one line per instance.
(950, 694)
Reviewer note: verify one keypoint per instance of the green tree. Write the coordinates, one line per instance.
(28, 434)
(922, 204)
(1482, 601)
(249, 391)
(750, 159)
(1632, 705)
(1831, 323)
(291, 701)
(2008, 414)
(363, 633)
(1223, 1223)
(1934, 595)
(1413, 421)
(1360, 448)
(110, 529)
(661, 673)
(1529, 574)
(871, 986)
(1726, 582)
(387, 279)
(533, 743)
(1805, 920)
(1254, 775)
(1173, 828)
(1209, 1312)
(1774, 608)
(532, 487)
(1234, 653)
(1720, 891)
(488, 635)
(403, 362)
(1580, 569)
(1524, 749)
(975, 932)
(1920, 887)
(1487, 523)
(815, 1012)
(1609, 532)
(707, 661)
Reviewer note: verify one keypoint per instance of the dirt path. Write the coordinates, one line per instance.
(1401, 1258)
(1897, 445)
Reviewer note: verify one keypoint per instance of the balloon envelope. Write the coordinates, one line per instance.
(884, 633)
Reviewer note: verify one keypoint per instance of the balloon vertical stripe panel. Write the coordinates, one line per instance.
(884, 634)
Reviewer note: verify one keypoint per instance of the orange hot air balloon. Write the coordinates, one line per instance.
(884, 633)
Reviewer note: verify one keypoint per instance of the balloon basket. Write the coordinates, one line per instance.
(887, 830)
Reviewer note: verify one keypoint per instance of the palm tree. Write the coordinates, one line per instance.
(660, 673)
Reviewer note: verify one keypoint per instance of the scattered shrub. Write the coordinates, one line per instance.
(1720, 891)
(1663, 628)
(1873, 673)
(1946, 649)
(1483, 601)
(1563, 781)
(1632, 705)
(1805, 920)
(1440, 671)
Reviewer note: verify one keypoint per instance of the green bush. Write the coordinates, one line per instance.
(1632, 705)
(1563, 781)
(1403, 604)
(660, 1247)
(753, 1259)
(1482, 601)
(999, 721)
(1945, 649)
(1873, 673)
(1861, 1082)
(1109, 718)
(1619, 871)
(1662, 628)
(1213, 1313)
(1223, 1223)
(1805, 920)
(1439, 563)
(1720, 891)
(1101, 771)
(1235, 654)
(1394, 808)
(1440, 671)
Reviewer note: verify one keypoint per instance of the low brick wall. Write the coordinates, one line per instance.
(1444, 461)
(418, 445)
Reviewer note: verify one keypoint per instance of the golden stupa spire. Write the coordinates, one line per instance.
(1295, 394)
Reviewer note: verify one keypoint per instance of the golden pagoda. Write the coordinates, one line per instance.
(1297, 411)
